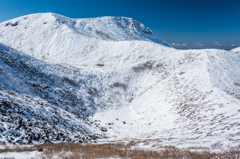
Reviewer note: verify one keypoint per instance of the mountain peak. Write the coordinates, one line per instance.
(101, 28)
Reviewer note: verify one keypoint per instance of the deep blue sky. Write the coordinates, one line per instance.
(195, 23)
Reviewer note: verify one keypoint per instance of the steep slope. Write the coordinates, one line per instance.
(41, 103)
(139, 89)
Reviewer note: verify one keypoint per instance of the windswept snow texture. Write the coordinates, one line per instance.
(125, 85)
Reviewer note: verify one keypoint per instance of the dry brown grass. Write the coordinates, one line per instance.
(120, 150)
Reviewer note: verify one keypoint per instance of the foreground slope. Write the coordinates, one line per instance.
(139, 89)
(41, 103)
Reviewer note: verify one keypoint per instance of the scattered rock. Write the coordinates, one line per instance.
(40, 150)
(103, 129)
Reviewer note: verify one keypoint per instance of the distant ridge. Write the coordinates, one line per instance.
(237, 50)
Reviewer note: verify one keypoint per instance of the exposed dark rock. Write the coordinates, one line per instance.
(40, 150)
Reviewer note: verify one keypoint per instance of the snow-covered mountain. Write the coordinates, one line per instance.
(123, 79)
(48, 35)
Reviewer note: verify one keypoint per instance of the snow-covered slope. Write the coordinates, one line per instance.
(176, 97)
(237, 50)
(133, 86)
(41, 102)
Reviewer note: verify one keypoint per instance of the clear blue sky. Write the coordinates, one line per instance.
(195, 23)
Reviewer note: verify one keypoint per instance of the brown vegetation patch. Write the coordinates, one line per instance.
(119, 150)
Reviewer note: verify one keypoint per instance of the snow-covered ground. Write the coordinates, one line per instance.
(19, 155)
(123, 79)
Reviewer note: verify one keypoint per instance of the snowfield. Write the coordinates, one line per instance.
(83, 79)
